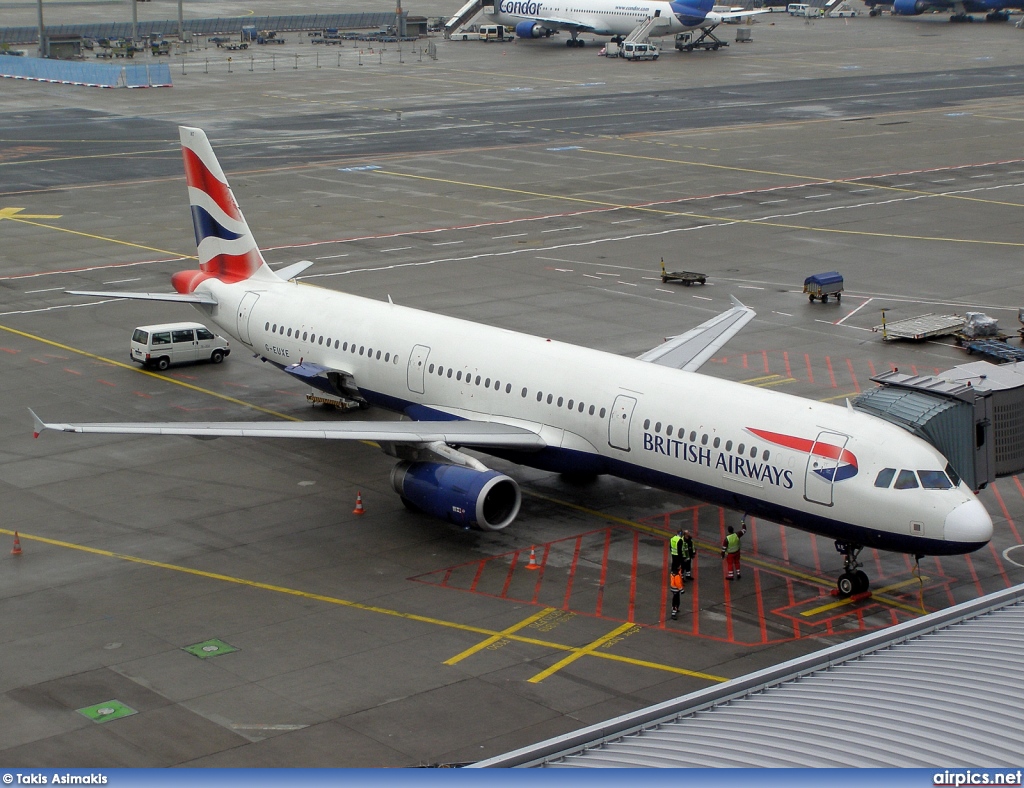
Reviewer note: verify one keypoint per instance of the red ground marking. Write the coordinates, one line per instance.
(508, 575)
(72, 371)
(913, 368)
(760, 606)
(10, 350)
(664, 584)
(40, 361)
(764, 356)
(810, 375)
(106, 382)
(288, 393)
(142, 394)
(792, 601)
(1006, 513)
(727, 600)
(695, 602)
(540, 573)
(480, 571)
(999, 563)
(871, 366)
(853, 375)
(814, 549)
(604, 571)
(785, 358)
(753, 533)
(974, 574)
(878, 561)
(831, 374)
(236, 385)
(744, 360)
(632, 576)
(785, 544)
(181, 376)
(572, 572)
(949, 591)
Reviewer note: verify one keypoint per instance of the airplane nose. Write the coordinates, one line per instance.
(969, 523)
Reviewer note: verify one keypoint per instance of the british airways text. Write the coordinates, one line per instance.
(730, 463)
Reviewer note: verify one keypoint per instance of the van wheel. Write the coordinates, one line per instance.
(162, 363)
(217, 356)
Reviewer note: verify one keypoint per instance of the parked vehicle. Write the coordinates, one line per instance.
(634, 50)
(176, 343)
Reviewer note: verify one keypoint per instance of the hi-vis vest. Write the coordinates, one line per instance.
(677, 546)
(732, 543)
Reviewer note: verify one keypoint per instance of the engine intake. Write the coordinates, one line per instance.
(530, 30)
(487, 500)
(909, 7)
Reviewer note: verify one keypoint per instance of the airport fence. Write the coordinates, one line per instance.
(203, 27)
(97, 75)
(359, 54)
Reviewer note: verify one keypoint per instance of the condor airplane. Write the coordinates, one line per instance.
(616, 18)
(825, 469)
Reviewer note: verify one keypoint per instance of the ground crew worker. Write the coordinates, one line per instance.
(680, 547)
(731, 552)
(691, 553)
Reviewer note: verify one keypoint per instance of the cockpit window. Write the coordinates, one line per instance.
(884, 478)
(953, 476)
(906, 480)
(934, 480)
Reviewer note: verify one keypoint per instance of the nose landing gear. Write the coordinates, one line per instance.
(853, 580)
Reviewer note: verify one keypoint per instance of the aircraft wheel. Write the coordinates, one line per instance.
(861, 581)
(580, 43)
(163, 363)
(846, 584)
(569, 42)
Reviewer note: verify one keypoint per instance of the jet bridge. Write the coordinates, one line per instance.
(973, 414)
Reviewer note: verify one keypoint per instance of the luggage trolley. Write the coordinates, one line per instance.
(823, 285)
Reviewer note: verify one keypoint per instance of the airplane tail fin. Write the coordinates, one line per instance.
(227, 249)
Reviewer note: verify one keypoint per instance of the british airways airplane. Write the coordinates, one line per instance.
(616, 18)
(824, 469)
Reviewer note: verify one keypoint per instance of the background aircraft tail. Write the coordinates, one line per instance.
(227, 249)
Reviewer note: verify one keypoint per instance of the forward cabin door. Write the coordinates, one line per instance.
(822, 463)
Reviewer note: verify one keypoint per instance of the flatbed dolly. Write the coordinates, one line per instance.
(686, 277)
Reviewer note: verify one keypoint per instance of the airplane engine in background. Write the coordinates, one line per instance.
(486, 500)
(531, 30)
(910, 7)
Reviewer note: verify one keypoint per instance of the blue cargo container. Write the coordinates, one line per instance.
(823, 285)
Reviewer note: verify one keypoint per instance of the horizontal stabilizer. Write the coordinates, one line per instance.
(455, 433)
(293, 270)
(689, 351)
(184, 298)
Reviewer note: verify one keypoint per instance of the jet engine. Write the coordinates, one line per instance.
(486, 500)
(531, 30)
(910, 7)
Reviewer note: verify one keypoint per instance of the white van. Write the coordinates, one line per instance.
(797, 9)
(177, 343)
(497, 33)
(633, 50)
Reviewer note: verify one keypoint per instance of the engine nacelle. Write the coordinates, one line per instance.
(487, 500)
(909, 7)
(530, 30)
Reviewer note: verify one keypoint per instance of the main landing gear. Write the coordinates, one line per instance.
(574, 41)
(853, 580)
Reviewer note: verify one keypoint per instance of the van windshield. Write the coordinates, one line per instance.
(140, 336)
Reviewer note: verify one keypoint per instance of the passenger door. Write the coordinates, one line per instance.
(822, 462)
(417, 363)
(619, 420)
(244, 311)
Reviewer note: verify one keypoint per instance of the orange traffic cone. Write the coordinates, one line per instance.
(359, 504)
(533, 560)
(17, 545)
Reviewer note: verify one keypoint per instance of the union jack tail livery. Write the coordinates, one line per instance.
(227, 249)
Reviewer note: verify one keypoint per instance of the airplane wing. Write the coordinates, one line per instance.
(689, 351)
(563, 24)
(456, 433)
(717, 17)
(184, 298)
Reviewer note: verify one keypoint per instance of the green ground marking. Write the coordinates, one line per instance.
(107, 711)
(210, 648)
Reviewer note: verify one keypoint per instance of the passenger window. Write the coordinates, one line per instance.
(934, 480)
(717, 443)
(668, 430)
(906, 481)
(559, 402)
(378, 355)
(267, 326)
(345, 346)
(540, 396)
(580, 408)
(430, 369)
(693, 435)
(289, 332)
(602, 413)
(497, 385)
(682, 433)
(387, 357)
(753, 452)
(459, 375)
(704, 439)
(508, 388)
(162, 338)
(336, 344)
(328, 341)
(591, 411)
(183, 335)
(549, 399)
(449, 371)
(477, 381)
(765, 455)
(304, 335)
(647, 424)
(571, 404)
(440, 371)
(202, 333)
(740, 448)
(728, 445)
(320, 339)
(884, 478)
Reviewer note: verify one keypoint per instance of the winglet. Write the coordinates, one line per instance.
(737, 302)
(38, 424)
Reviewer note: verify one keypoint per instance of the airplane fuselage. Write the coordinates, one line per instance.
(599, 17)
(795, 461)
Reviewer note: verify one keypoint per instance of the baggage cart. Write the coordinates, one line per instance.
(823, 285)
(686, 277)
